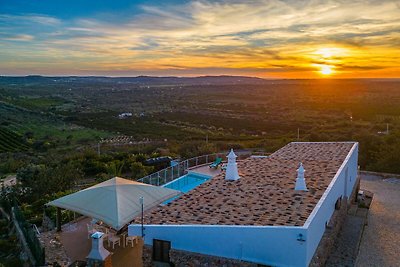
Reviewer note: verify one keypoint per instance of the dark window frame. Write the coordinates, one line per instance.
(164, 248)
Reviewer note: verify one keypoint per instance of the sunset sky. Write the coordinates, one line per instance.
(270, 39)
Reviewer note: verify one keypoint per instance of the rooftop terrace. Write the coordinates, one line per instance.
(264, 195)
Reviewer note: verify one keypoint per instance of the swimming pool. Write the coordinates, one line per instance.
(186, 183)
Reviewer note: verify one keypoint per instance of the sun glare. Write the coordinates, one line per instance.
(326, 70)
(328, 57)
(329, 52)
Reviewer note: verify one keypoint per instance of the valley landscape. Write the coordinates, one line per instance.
(57, 113)
(199, 133)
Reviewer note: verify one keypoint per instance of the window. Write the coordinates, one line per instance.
(161, 250)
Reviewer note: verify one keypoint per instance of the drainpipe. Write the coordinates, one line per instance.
(142, 204)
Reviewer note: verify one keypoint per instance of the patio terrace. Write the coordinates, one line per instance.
(74, 243)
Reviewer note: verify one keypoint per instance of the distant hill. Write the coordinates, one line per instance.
(140, 80)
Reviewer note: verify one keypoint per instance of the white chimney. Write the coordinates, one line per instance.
(231, 169)
(300, 181)
(98, 252)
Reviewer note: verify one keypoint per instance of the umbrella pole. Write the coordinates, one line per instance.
(142, 204)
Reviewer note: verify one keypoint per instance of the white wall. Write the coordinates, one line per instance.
(270, 245)
(326, 205)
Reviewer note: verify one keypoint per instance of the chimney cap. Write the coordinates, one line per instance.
(300, 181)
(98, 252)
(231, 172)
(232, 154)
(97, 235)
(301, 168)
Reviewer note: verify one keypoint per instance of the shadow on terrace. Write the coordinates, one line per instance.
(71, 246)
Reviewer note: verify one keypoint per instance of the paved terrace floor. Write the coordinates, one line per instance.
(380, 244)
(206, 170)
(77, 246)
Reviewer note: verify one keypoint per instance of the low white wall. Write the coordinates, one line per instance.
(270, 245)
(324, 209)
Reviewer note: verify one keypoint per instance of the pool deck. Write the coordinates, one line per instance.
(206, 170)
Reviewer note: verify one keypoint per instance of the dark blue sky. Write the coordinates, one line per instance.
(76, 8)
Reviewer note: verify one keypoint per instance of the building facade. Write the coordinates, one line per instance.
(261, 218)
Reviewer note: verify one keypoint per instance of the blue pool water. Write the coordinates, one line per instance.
(186, 183)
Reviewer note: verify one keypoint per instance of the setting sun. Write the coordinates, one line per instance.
(326, 70)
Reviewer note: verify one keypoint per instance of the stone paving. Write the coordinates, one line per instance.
(380, 241)
(54, 250)
(380, 244)
(346, 247)
(72, 244)
(206, 170)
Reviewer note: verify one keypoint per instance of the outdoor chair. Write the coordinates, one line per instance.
(90, 230)
(216, 163)
(104, 230)
(114, 239)
(131, 239)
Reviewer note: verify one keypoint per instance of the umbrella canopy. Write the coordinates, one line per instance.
(116, 201)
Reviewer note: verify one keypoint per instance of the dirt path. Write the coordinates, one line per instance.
(380, 244)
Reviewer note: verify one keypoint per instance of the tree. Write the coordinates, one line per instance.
(140, 158)
(192, 149)
(369, 146)
(386, 159)
(115, 167)
(36, 181)
(139, 170)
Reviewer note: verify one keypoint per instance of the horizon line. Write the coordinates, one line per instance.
(199, 76)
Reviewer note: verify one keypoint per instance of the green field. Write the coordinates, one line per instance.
(37, 103)
(23, 128)
(11, 142)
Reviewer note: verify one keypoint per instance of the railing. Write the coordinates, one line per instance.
(171, 173)
(31, 238)
(34, 227)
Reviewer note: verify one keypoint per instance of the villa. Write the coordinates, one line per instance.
(260, 211)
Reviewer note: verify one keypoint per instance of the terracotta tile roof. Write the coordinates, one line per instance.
(264, 195)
